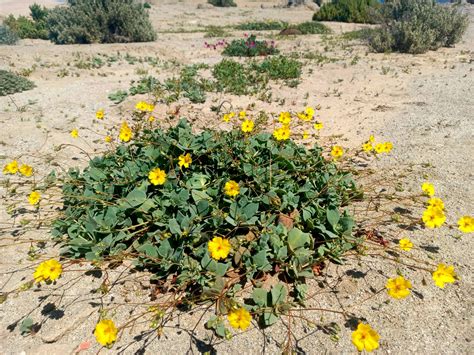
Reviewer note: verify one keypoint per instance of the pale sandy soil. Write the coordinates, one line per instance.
(422, 103)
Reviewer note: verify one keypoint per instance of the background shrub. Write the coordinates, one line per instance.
(104, 21)
(249, 47)
(359, 11)
(262, 26)
(222, 3)
(312, 27)
(7, 36)
(280, 67)
(11, 83)
(36, 27)
(416, 26)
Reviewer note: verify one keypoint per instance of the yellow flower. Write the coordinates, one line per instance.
(428, 188)
(466, 224)
(371, 138)
(379, 148)
(74, 133)
(144, 106)
(433, 217)
(34, 198)
(247, 126)
(105, 332)
(49, 270)
(285, 118)
(282, 133)
(444, 274)
(239, 318)
(435, 202)
(388, 146)
(151, 119)
(304, 117)
(226, 118)
(318, 126)
(309, 112)
(26, 170)
(365, 338)
(337, 152)
(185, 160)
(108, 139)
(398, 288)
(100, 114)
(405, 244)
(305, 135)
(242, 114)
(367, 147)
(157, 176)
(231, 188)
(11, 168)
(125, 132)
(219, 248)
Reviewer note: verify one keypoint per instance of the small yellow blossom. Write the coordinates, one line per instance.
(282, 133)
(371, 138)
(379, 148)
(247, 126)
(144, 106)
(305, 135)
(435, 202)
(26, 170)
(74, 133)
(125, 132)
(318, 126)
(231, 188)
(367, 147)
(11, 168)
(185, 160)
(428, 189)
(226, 118)
(34, 198)
(105, 332)
(242, 114)
(49, 270)
(285, 118)
(304, 117)
(151, 119)
(309, 112)
(466, 224)
(387, 146)
(337, 152)
(239, 318)
(219, 248)
(405, 244)
(398, 288)
(108, 139)
(365, 338)
(157, 176)
(100, 114)
(444, 274)
(433, 217)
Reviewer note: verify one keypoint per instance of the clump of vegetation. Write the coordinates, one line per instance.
(312, 27)
(359, 11)
(106, 21)
(362, 34)
(24, 27)
(416, 26)
(11, 83)
(280, 67)
(238, 78)
(262, 25)
(222, 3)
(7, 36)
(215, 31)
(249, 47)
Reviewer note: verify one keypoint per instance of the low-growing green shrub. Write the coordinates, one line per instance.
(359, 11)
(189, 84)
(280, 67)
(237, 78)
(416, 26)
(249, 47)
(209, 213)
(222, 3)
(262, 26)
(36, 27)
(11, 83)
(362, 34)
(7, 36)
(312, 27)
(215, 31)
(105, 21)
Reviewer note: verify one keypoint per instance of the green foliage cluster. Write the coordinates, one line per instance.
(222, 3)
(112, 209)
(7, 36)
(417, 26)
(24, 27)
(11, 83)
(262, 25)
(215, 31)
(249, 47)
(359, 11)
(311, 28)
(104, 21)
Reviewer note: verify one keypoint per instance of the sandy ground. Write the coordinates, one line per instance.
(422, 103)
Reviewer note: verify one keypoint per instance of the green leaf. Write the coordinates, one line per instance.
(279, 294)
(260, 297)
(174, 227)
(332, 216)
(135, 198)
(261, 262)
(250, 210)
(269, 318)
(26, 325)
(200, 195)
(297, 239)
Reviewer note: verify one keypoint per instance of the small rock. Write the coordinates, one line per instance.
(312, 6)
(290, 32)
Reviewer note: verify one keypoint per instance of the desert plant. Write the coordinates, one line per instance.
(262, 25)
(104, 21)
(359, 11)
(249, 47)
(311, 27)
(11, 83)
(215, 31)
(222, 3)
(36, 27)
(7, 36)
(280, 67)
(416, 26)
(238, 79)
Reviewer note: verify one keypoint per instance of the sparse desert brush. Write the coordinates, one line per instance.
(250, 47)
(280, 67)
(359, 11)
(262, 25)
(106, 21)
(7, 36)
(215, 31)
(11, 83)
(311, 27)
(222, 3)
(24, 27)
(417, 26)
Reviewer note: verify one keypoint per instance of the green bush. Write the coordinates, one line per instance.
(312, 27)
(7, 36)
(249, 47)
(416, 26)
(11, 83)
(262, 26)
(222, 3)
(359, 11)
(280, 67)
(103, 21)
(287, 215)
(237, 78)
(36, 27)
